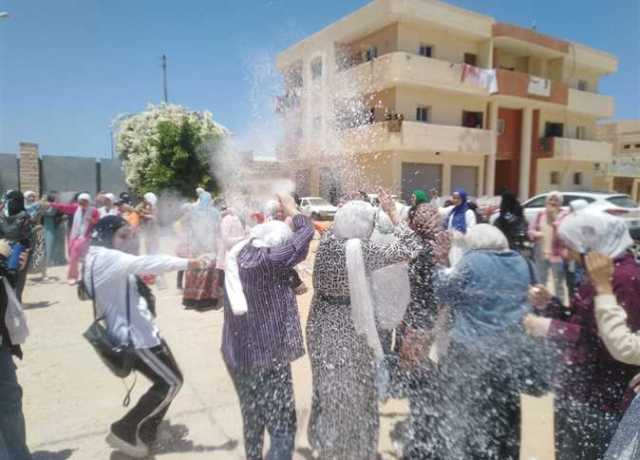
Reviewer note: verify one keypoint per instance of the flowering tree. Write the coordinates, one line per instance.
(168, 147)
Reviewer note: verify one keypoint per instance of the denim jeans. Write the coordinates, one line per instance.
(13, 443)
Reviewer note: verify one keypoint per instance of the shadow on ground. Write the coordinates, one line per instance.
(173, 439)
(38, 305)
(48, 455)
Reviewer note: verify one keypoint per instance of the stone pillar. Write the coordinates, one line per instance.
(525, 153)
(490, 171)
(29, 167)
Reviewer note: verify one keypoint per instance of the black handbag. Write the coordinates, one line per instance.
(117, 357)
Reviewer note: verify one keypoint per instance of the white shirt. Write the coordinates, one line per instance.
(103, 211)
(111, 270)
(469, 217)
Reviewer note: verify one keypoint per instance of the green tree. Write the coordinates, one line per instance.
(168, 148)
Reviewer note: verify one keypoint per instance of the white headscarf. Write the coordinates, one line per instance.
(269, 235)
(355, 222)
(151, 198)
(591, 229)
(81, 218)
(485, 236)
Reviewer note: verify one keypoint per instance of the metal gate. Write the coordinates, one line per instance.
(465, 177)
(423, 176)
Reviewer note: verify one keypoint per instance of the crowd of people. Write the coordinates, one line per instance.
(427, 301)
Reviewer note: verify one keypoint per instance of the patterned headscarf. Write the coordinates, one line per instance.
(426, 221)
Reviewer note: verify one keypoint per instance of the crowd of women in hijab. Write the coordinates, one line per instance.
(427, 302)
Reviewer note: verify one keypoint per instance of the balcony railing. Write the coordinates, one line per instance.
(623, 167)
(399, 135)
(564, 148)
(511, 83)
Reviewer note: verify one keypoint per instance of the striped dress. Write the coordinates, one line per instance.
(269, 333)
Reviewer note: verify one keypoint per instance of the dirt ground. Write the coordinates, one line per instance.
(70, 399)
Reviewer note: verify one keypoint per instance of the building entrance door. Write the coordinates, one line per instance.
(508, 153)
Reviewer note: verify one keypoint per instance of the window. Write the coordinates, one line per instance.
(472, 119)
(627, 146)
(581, 132)
(500, 126)
(553, 130)
(555, 178)
(637, 146)
(372, 53)
(426, 50)
(583, 85)
(536, 202)
(470, 58)
(423, 114)
(371, 115)
(622, 201)
(577, 178)
(316, 68)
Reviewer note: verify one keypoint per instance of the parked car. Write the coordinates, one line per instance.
(616, 204)
(317, 208)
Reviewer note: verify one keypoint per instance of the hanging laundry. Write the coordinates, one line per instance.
(539, 86)
(482, 78)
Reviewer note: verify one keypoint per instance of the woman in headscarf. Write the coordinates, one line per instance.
(343, 342)
(591, 384)
(53, 223)
(85, 217)
(262, 333)
(512, 223)
(459, 219)
(620, 340)
(147, 210)
(202, 288)
(112, 277)
(479, 378)
(418, 197)
(548, 249)
(418, 330)
(16, 227)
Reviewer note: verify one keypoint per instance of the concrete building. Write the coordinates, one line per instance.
(419, 93)
(622, 175)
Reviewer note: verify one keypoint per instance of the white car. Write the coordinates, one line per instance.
(616, 204)
(317, 208)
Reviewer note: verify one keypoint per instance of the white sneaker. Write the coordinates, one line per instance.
(138, 451)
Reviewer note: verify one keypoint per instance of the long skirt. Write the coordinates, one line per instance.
(37, 258)
(344, 421)
(202, 289)
(478, 407)
(54, 246)
(626, 442)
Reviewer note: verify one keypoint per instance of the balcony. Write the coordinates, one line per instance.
(518, 84)
(592, 104)
(404, 68)
(563, 148)
(415, 136)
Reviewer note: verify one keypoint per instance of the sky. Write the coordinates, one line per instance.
(68, 67)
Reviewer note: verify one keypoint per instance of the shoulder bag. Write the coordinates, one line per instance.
(117, 357)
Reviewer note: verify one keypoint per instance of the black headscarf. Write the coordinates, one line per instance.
(14, 202)
(105, 229)
(510, 204)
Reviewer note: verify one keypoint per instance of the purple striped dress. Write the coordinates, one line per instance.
(270, 332)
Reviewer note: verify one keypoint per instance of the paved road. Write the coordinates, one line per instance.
(70, 399)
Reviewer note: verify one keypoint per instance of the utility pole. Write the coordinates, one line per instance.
(164, 79)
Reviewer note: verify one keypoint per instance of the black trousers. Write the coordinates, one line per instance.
(142, 421)
(267, 402)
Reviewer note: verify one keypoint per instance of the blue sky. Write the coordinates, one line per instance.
(67, 67)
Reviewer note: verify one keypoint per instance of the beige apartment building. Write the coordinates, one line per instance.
(419, 93)
(622, 175)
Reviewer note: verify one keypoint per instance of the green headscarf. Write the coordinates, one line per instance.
(421, 196)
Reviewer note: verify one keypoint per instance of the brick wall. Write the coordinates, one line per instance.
(29, 167)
